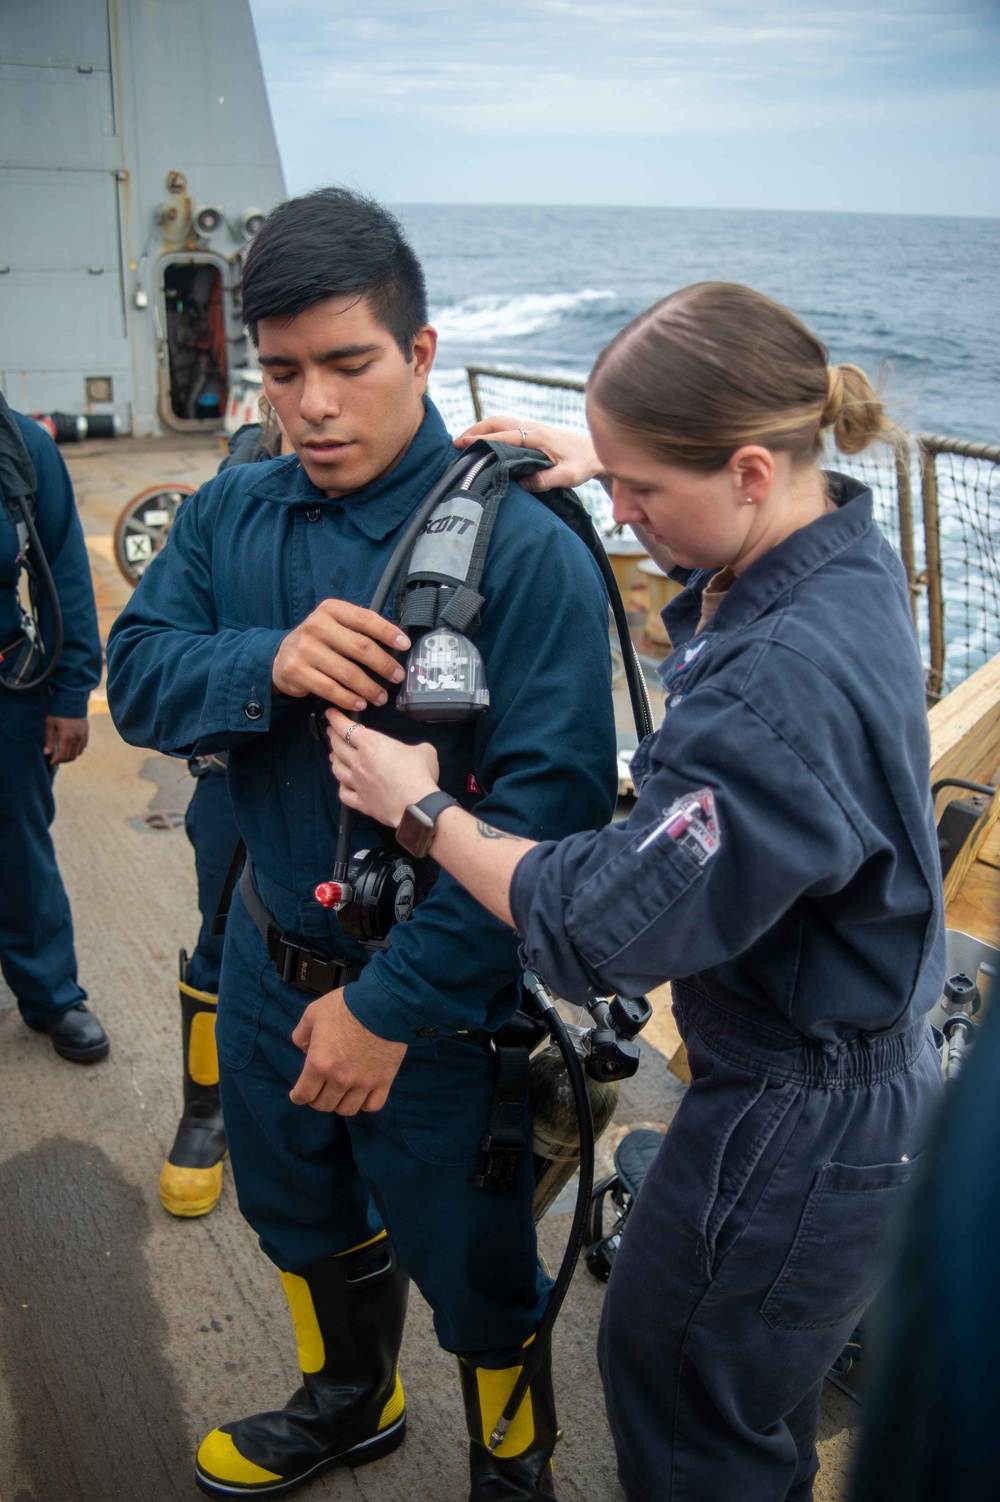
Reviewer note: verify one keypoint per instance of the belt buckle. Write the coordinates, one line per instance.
(286, 960)
(292, 962)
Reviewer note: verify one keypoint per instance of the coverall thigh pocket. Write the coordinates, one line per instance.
(237, 1020)
(440, 1101)
(745, 1146)
(833, 1269)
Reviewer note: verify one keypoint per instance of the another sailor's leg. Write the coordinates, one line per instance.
(471, 1251)
(298, 1187)
(37, 953)
(191, 1178)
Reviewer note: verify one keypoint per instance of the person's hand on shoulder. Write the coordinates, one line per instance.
(334, 652)
(573, 457)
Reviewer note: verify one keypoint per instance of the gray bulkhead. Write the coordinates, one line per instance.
(123, 125)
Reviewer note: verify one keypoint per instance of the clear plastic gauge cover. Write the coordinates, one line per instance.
(445, 679)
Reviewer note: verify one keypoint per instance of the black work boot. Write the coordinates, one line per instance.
(76, 1035)
(348, 1312)
(191, 1178)
(520, 1470)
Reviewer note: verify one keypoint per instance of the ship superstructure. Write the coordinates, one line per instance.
(137, 159)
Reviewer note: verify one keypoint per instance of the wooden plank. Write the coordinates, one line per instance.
(989, 851)
(965, 728)
(661, 1029)
(969, 853)
(976, 908)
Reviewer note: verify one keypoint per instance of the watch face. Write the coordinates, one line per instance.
(416, 831)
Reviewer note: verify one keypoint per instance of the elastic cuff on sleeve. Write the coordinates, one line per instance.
(384, 1014)
(250, 700)
(69, 705)
(523, 884)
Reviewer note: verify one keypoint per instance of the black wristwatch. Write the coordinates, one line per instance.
(416, 827)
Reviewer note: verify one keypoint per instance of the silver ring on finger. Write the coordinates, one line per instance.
(349, 732)
(524, 438)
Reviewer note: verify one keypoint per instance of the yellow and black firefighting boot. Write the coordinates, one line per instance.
(520, 1470)
(348, 1312)
(191, 1178)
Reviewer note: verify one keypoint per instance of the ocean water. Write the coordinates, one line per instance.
(916, 300)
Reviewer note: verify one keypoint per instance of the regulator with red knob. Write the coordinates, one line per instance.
(379, 892)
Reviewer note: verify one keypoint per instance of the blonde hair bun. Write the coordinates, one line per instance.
(853, 410)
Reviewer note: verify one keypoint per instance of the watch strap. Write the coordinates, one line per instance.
(435, 804)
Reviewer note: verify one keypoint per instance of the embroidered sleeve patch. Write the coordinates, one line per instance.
(692, 823)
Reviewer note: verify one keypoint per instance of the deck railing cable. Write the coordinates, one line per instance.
(960, 494)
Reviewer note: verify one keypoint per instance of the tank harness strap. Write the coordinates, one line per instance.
(228, 888)
(503, 1141)
(296, 964)
(504, 1138)
(440, 584)
(214, 765)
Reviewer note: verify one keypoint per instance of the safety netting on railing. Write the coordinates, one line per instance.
(960, 485)
(949, 545)
(549, 399)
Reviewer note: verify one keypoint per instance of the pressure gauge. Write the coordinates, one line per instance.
(445, 679)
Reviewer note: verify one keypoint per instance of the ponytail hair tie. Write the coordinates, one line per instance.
(834, 396)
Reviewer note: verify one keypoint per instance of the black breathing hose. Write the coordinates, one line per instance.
(40, 562)
(642, 712)
(578, 1229)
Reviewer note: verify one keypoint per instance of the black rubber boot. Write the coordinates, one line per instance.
(191, 1178)
(521, 1468)
(348, 1312)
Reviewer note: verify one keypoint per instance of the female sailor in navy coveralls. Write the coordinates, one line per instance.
(780, 868)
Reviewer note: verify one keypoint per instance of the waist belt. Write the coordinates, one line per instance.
(297, 964)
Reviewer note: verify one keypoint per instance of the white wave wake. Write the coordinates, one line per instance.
(496, 317)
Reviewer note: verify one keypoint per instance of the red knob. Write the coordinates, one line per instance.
(329, 893)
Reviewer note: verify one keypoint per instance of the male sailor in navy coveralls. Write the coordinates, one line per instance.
(40, 730)
(354, 1120)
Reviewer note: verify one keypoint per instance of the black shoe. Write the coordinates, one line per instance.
(76, 1035)
(348, 1313)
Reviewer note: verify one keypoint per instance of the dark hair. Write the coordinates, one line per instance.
(330, 244)
(717, 365)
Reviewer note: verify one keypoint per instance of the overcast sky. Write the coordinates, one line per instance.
(774, 104)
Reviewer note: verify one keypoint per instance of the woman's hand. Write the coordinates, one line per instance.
(377, 775)
(573, 453)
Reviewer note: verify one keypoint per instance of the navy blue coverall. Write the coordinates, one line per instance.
(249, 557)
(209, 819)
(803, 936)
(37, 955)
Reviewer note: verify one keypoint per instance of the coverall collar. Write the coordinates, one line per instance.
(754, 592)
(379, 508)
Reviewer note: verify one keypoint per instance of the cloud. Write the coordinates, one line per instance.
(439, 75)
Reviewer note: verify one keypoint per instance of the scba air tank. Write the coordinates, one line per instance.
(556, 1144)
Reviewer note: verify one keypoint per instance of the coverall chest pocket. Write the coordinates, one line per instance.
(831, 1272)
